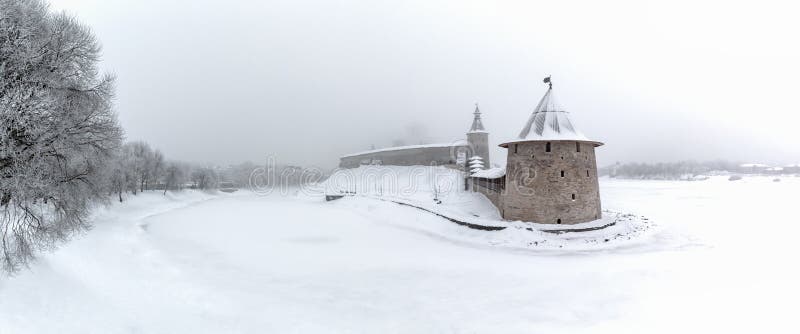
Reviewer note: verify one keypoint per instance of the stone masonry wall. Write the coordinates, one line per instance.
(537, 192)
(493, 196)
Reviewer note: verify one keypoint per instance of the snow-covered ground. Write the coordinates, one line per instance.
(722, 258)
(441, 190)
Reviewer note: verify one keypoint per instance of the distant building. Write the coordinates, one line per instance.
(774, 170)
(753, 168)
(792, 169)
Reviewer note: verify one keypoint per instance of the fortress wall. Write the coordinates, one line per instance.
(493, 196)
(419, 155)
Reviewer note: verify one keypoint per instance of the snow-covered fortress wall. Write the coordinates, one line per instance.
(424, 155)
(492, 188)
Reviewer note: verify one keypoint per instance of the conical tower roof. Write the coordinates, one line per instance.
(477, 124)
(549, 122)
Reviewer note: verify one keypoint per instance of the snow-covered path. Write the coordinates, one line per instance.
(244, 263)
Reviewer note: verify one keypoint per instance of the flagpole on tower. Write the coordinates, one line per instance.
(547, 81)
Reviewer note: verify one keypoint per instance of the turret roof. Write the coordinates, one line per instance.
(477, 124)
(549, 121)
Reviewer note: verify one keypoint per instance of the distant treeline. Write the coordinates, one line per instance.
(270, 175)
(691, 170)
(667, 170)
(136, 167)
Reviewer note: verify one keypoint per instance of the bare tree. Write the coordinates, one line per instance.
(204, 178)
(239, 174)
(174, 175)
(156, 167)
(118, 175)
(141, 159)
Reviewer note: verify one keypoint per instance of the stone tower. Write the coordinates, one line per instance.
(478, 138)
(551, 172)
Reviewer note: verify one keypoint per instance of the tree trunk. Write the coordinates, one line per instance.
(5, 199)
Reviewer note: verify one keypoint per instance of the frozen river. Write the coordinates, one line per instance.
(723, 258)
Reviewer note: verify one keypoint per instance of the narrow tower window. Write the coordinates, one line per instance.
(577, 146)
(547, 147)
(573, 197)
(587, 173)
(515, 148)
(558, 221)
(562, 173)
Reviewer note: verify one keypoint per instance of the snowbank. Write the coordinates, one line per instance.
(378, 190)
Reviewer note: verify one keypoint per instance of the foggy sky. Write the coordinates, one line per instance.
(308, 81)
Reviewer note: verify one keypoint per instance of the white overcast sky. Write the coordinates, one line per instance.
(307, 81)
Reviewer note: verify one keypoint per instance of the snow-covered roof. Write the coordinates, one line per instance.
(475, 157)
(398, 148)
(477, 124)
(775, 169)
(751, 165)
(549, 121)
(491, 173)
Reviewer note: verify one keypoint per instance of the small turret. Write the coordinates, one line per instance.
(478, 138)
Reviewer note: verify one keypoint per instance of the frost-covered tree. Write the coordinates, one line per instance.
(240, 174)
(119, 175)
(204, 178)
(173, 176)
(156, 168)
(57, 128)
(141, 158)
(137, 167)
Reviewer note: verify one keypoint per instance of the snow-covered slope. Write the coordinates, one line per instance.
(441, 190)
